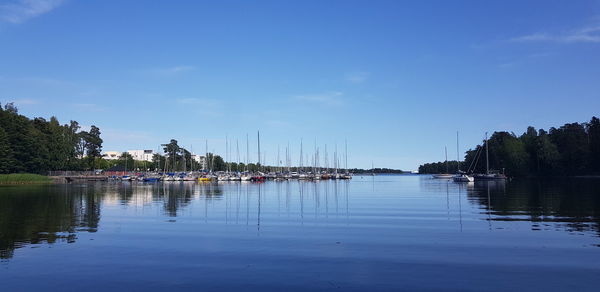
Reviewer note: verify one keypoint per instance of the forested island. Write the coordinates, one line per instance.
(570, 150)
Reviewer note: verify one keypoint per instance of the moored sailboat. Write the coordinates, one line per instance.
(488, 175)
(446, 175)
(460, 175)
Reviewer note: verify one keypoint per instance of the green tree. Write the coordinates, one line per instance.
(215, 162)
(593, 130)
(174, 156)
(508, 152)
(126, 160)
(6, 158)
(546, 154)
(573, 145)
(37, 145)
(93, 145)
(158, 161)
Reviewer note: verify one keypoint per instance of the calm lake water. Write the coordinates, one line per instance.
(371, 233)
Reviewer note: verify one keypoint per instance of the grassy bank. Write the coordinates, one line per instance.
(23, 178)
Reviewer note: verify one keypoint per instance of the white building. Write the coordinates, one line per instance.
(200, 160)
(111, 155)
(141, 155)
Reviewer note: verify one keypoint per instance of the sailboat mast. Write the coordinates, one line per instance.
(301, 155)
(258, 150)
(487, 158)
(446, 152)
(346, 154)
(337, 159)
(315, 158)
(326, 160)
(457, 155)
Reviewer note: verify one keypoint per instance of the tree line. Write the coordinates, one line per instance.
(38, 145)
(572, 149)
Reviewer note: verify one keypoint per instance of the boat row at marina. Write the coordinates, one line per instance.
(231, 176)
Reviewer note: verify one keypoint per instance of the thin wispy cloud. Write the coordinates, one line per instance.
(524, 60)
(170, 71)
(20, 11)
(202, 106)
(328, 98)
(590, 34)
(357, 77)
(89, 107)
(25, 101)
(19, 101)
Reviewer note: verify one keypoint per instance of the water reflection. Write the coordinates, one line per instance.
(58, 213)
(569, 204)
(28, 218)
(48, 214)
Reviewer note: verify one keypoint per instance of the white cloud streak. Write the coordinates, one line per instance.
(26, 101)
(202, 106)
(357, 77)
(590, 34)
(170, 71)
(20, 11)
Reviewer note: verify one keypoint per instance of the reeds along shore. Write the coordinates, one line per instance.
(23, 179)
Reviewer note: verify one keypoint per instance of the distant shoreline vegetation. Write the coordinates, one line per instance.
(570, 150)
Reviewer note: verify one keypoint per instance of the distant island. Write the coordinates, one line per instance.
(570, 150)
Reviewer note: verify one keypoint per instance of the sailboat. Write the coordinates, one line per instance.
(258, 176)
(488, 175)
(460, 175)
(372, 169)
(446, 175)
(346, 174)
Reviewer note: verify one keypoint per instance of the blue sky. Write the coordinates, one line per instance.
(397, 79)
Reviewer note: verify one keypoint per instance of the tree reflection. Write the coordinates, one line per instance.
(574, 202)
(26, 217)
